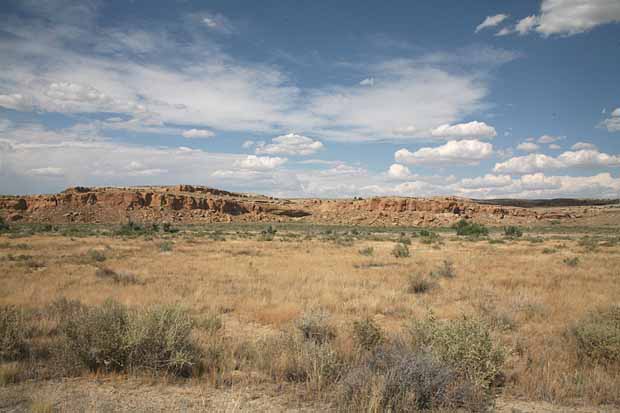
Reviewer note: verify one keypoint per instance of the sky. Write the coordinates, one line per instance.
(480, 99)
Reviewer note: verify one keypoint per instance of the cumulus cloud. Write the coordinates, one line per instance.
(555, 146)
(540, 162)
(290, 144)
(548, 139)
(570, 17)
(198, 133)
(526, 24)
(613, 122)
(14, 101)
(472, 129)
(398, 171)
(491, 21)
(528, 147)
(462, 152)
(504, 31)
(260, 163)
(583, 145)
(370, 81)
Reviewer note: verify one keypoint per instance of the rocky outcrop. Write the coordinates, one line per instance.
(195, 204)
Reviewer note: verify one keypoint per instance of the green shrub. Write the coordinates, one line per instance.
(465, 344)
(368, 251)
(167, 227)
(597, 336)
(4, 226)
(111, 337)
(419, 284)
(513, 232)
(166, 246)
(571, 262)
(429, 237)
(445, 270)
(464, 227)
(159, 339)
(400, 251)
(13, 334)
(549, 250)
(367, 334)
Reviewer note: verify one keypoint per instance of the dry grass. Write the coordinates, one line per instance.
(530, 298)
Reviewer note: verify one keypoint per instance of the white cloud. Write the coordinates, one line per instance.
(344, 169)
(527, 164)
(540, 181)
(463, 152)
(526, 24)
(398, 171)
(198, 133)
(613, 122)
(555, 146)
(260, 163)
(491, 21)
(290, 144)
(570, 17)
(528, 147)
(549, 139)
(473, 129)
(14, 101)
(370, 81)
(504, 31)
(583, 145)
(487, 181)
(539, 162)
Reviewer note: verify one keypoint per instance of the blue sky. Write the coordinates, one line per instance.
(313, 99)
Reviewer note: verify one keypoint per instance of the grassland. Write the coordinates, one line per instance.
(289, 317)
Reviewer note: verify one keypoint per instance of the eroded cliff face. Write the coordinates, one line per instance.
(198, 204)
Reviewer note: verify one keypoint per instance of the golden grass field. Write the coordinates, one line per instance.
(528, 290)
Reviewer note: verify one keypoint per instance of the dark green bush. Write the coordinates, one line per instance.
(513, 232)
(3, 225)
(464, 227)
(597, 336)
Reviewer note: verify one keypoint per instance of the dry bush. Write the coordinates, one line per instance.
(367, 334)
(291, 357)
(120, 277)
(396, 378)
(315, 326)
(14, 334)
(10, 373)
(400, 251)
(445, 270)
(597, 336)
(419, 284)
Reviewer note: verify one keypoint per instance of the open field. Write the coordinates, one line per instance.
(284, 317)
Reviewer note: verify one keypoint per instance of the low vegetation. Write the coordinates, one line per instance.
(333, 318)
(472, 229)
